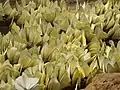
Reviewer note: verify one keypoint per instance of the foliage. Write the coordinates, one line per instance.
(52, 46)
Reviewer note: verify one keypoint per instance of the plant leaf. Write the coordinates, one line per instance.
(24, 82)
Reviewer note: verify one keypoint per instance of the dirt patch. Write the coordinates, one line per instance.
(108, 81)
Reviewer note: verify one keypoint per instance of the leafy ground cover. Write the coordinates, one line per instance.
(50, 45)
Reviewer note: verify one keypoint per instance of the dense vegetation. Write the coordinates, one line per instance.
(51, 45)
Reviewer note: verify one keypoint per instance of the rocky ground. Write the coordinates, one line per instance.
(109, 81)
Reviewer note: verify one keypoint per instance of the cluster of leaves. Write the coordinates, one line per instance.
(51, 46)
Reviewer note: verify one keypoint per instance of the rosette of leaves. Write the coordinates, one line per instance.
(46, 52)
(8, 10)
(61, 21)
(30, 35)
(5, 42)
(13, 55)
(48, 14)
(24, 82)
(7, 71)
(26, 59)
(5, 86)
(116, 53)
(1, 12)
(24, 16)
(50, 11)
